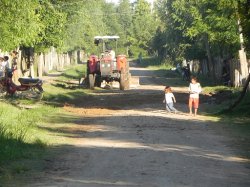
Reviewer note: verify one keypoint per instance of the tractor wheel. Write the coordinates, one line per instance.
(127, 81)
(127, 76)
(122, 81)
(91, 81)
(127, 67)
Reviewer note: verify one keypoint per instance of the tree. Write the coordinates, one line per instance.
(201, 24)
(125, 19)
(244, 16)
(53, 25)
(144, 25)
(20, 23)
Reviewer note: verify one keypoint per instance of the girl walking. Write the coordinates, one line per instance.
(194, 91)
(169, 99)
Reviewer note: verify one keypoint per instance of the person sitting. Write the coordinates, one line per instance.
(5, 64)
(1, 67)
(112, 54)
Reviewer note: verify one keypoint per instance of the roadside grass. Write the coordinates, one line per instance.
(73, 73)
(56, 95)
(66, 87)
(20, 135)
(26, 126)
(242, 110)
(219, 88)
(238, 121)
(226, 96)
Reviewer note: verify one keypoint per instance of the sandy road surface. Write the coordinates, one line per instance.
(125, 139)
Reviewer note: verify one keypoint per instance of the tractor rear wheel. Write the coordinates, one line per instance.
(124, 80)
(127, 82)
(91, 81)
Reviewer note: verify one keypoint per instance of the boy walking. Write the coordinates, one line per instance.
(169, 99)
(194, 91)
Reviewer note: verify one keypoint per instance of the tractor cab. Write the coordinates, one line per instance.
(106, 42)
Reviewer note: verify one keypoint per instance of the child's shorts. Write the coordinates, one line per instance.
(194, 102)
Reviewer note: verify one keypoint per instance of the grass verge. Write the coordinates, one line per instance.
(20, 135)
(27, 129)
(73, 73)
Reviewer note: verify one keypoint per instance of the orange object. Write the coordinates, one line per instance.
(194, 102)
(121, 62)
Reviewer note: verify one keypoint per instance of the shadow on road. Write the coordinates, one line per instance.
(143, 150)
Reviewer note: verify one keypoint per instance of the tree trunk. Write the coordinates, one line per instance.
(243, 93)
(23, 63)
(46, 64)
(19, 70)
(209, 57)
(78, 59)
(243, 57)
(32, 72)
(243, 65)
(40, 65)
(75, 58)
(67, 56)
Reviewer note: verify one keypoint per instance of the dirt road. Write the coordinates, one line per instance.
(128, 139)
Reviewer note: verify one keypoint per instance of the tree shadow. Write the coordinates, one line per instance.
(131, 150)
(139, 149)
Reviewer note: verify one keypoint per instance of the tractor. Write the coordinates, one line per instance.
(107, 67)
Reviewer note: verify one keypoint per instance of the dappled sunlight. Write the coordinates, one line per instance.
(106, 143)
(226, 158)
(189, 151)
(88, 111)
(95, 182)
(164, 114)
(146, 111)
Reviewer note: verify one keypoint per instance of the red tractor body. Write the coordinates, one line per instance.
(108, 67)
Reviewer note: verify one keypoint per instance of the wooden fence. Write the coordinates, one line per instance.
(238, 68)
(38, 64)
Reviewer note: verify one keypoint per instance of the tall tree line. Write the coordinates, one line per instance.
(72, 24)
(173, 29)
(202, 29)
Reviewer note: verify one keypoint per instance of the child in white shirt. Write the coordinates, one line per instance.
(169, 99)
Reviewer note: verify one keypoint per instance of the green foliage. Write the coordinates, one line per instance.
(20, 23)
(144, 25)
(216, 89)
(53, 22)
(244, 15)
(174, 30)
(72, 24)
(156, 63)
(194, 29)
(75, 72)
